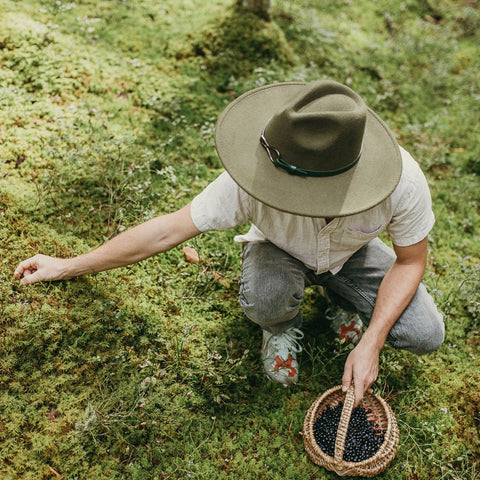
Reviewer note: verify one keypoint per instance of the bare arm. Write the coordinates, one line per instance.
(154, 236)
(396, 290)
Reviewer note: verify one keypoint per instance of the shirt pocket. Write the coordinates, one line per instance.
(352, 240)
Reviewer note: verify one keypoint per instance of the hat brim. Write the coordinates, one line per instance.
(365, 185)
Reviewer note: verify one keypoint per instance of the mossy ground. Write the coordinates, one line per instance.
(107, 117)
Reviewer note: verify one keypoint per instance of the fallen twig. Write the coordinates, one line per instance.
(54, 472)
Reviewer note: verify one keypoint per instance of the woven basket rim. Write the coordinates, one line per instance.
(344, 467)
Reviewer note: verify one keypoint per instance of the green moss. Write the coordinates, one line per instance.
(107, 116)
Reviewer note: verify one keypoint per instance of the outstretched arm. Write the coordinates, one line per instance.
(154, 236)
(396, 290)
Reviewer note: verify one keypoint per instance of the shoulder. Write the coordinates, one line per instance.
(410, 205)
(221, 205)
(220, 190)
(412, 181)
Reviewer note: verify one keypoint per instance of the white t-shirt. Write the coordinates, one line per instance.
(406, 215)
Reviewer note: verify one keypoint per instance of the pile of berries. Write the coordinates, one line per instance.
(364, 437)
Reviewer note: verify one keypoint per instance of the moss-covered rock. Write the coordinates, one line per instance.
(236, 44)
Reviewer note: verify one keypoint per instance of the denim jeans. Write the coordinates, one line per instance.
(273, 283)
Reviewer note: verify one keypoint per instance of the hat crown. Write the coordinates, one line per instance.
(321, 129)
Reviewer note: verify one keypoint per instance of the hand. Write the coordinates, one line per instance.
(41, 268)
(361, 367)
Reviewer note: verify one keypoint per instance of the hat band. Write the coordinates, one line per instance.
(276, 158)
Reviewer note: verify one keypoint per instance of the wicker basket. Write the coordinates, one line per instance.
(380, 412)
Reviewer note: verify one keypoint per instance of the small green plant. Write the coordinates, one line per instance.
(107, 118)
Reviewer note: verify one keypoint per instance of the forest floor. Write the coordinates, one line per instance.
(107, 118)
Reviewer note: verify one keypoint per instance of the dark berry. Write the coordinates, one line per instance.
(364, 436)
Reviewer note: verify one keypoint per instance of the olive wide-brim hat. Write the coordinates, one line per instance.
(311, 149)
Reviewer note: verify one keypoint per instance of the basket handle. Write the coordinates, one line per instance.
(343, 425)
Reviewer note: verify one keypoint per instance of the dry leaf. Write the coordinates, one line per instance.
(218, 277)
(191, 255)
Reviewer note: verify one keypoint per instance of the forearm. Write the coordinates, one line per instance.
(157, 235)
(395, 293)
(125, 249)
(154, 236)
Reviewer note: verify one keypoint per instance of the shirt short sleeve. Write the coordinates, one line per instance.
(413, 217)
(221, 205)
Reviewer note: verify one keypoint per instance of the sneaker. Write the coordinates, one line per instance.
(347, 325)
(279, 355)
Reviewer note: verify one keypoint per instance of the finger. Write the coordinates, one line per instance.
(27, 272)
(347, 378)
(359, 393)
(28, 265)
(29, 278)
(18, 271)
